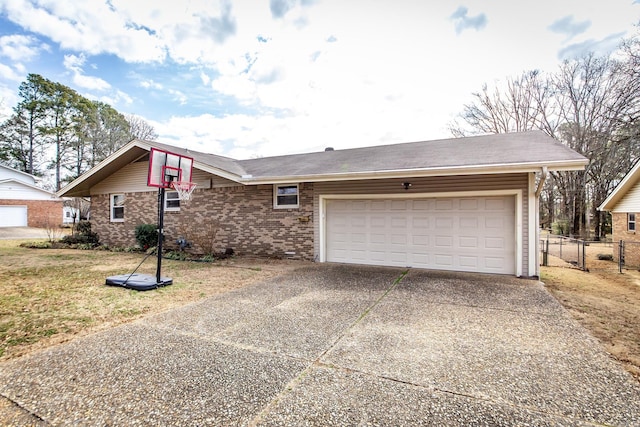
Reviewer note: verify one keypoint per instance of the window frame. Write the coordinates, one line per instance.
(112, 207)
(277, 205)
(168, 208)
(631, 221)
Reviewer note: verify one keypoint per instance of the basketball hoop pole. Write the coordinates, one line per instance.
(160, 231)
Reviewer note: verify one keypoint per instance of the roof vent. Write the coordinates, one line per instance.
(328, 149)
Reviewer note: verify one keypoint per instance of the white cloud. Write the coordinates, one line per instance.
(178, 96)
(92, 27)
(150, 84)
(75, 63)
(8, 73)
(18, 47)
(8, 98)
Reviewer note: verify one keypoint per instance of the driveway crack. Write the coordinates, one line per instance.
(317, 362)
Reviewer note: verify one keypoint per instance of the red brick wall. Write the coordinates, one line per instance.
(40, 213)
(247, 221)
(620, 232)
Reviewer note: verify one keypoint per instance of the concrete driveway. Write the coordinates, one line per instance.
(18, 233)
(336, 345)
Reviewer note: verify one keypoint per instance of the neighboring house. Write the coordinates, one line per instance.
(23, 204)
(70, 215)
(624, 205)
(466, 204)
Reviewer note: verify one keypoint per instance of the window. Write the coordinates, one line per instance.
(171, 201)
(117, 208)
(285, 196)
(631, 222)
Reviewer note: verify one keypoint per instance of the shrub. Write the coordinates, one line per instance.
(176, 255)
(83, 235)
(83, 228)
(147, 235)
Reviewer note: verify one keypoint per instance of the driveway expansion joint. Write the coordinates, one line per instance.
(22, 408)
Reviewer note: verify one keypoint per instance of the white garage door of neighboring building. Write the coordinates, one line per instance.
(462, 234)
(13, 216)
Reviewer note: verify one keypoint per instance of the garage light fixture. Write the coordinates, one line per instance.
(406, 185)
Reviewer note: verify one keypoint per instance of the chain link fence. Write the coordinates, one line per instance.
(566, 248)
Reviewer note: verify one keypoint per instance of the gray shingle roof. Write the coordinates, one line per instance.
(479, 151)
(226, 164)
(503, 153)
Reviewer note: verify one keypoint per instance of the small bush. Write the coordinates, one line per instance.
(82, 236)
(147, 235)
(83, 228)
(176, 255)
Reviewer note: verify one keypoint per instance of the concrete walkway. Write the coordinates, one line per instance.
(336, 345)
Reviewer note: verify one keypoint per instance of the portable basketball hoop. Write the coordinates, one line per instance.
(171, 171)
(184, 189)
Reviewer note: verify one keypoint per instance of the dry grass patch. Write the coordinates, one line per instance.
(48, 296)
(604, 301)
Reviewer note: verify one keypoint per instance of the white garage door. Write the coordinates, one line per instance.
(13, 216)
(461, 234)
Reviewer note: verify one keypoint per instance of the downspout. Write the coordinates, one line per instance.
(543, 178)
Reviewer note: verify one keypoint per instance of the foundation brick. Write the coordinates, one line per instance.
(631, 239)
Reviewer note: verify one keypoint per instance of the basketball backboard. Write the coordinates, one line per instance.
(165, 167)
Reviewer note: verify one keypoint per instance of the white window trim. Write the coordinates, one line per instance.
(275, 196)
(167, 208)
(111, 198)
(630, 221)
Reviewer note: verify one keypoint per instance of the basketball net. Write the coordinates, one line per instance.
(184, 189)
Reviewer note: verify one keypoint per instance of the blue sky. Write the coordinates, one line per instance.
(258, 78)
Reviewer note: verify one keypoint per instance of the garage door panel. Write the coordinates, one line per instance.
(469, 204)
(464, 234)
(470, 222)
(468, 261)
(444, 222)
(444, 204)
(468, 242)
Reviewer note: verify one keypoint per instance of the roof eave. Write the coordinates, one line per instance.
(421, 172)
(621, 189)
(68, 190)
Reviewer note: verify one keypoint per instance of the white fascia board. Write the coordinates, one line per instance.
(102, 164)
(411, 173)
(625, 185)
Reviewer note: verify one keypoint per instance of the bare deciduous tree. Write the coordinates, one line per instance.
(140, 129)
(590, 104)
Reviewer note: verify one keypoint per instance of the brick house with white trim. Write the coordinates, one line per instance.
(624, 205)
(23, 203)
(464, 204)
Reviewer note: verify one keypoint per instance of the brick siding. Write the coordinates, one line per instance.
(242, 217)
(40, 213)
(620, 232)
